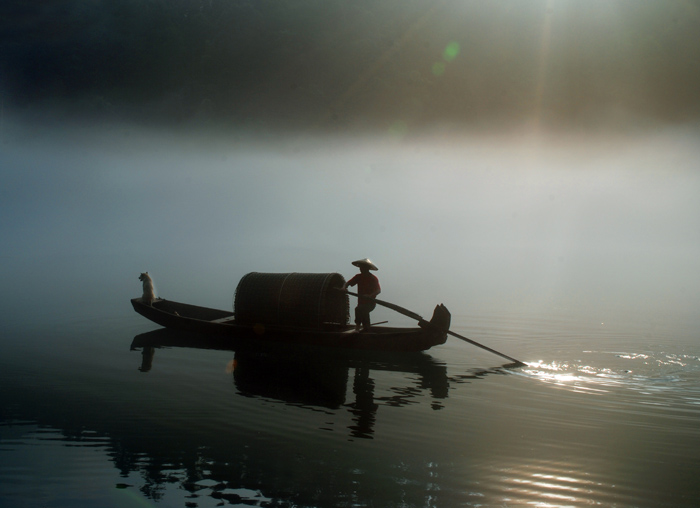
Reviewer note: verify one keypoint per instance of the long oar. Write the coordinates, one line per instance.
(415, 316)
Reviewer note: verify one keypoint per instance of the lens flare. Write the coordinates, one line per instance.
(451, 51)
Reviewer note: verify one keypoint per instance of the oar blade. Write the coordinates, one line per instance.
(521, 364)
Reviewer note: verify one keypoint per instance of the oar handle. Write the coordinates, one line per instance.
(389, 305)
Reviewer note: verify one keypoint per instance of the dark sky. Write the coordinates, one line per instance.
(346, 65)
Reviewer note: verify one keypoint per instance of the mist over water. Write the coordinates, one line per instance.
(599, 224)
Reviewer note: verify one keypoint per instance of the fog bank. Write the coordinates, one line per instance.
(542, 224)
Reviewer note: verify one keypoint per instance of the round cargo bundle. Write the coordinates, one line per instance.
(291, 299)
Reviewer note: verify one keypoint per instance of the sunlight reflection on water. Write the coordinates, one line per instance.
(549, 484)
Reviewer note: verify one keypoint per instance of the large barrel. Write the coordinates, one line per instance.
(291, 299)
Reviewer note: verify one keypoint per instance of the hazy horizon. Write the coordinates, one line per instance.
(596, 225)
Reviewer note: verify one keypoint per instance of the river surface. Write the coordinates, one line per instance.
(603, 414)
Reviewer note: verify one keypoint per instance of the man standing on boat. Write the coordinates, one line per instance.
(367, 287)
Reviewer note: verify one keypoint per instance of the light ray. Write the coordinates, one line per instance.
(543, 64)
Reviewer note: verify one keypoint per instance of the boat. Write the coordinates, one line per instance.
(299, 309)
(221, 323)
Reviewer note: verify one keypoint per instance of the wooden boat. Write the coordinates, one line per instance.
(221, 323)
(294, 308)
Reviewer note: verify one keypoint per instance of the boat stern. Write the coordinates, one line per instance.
(439, 323)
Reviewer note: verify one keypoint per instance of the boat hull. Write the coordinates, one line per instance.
(203, 320)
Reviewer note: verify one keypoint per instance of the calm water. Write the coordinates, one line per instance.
(605, 414)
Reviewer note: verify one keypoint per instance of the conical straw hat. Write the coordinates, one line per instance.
(366, 262)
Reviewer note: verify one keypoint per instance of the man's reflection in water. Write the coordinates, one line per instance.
(364, 409)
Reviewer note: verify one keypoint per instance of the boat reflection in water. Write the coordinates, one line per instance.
(313, 377)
